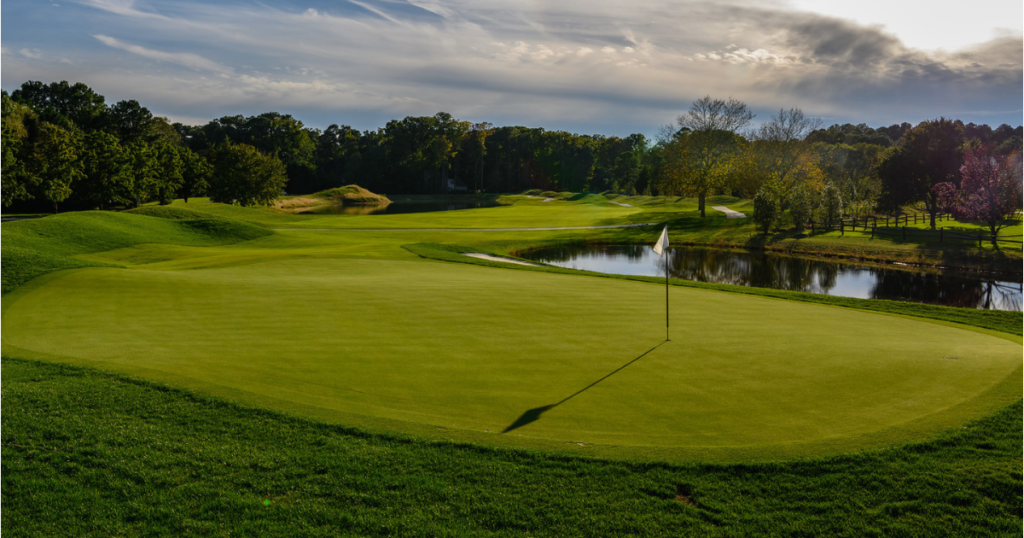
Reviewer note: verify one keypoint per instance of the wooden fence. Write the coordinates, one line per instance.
(881, 226)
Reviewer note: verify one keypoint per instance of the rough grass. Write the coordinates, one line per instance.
(353, 194)
(87, 453)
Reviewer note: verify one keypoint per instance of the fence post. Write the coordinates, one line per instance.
(872, 232)
(842, 228)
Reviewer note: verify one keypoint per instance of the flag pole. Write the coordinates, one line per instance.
(666, 296)
(661, 249)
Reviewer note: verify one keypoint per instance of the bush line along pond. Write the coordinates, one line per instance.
(763, 270)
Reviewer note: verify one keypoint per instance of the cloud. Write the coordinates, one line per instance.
(187, 59)
(571, 63)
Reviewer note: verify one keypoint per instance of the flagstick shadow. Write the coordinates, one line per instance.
(532, 415)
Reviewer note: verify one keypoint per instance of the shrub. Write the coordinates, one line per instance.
(766, 210)
(831, 207)
(800, 208)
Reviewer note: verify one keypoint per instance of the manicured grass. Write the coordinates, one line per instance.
(383, 368)
(351, 327)
(93, 454)
(32, 248)
(997, 320)
(685, 224)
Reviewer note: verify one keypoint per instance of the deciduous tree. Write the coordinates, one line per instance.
(55, 162)
(926, 156)
(699, 158)
(64, 104)
(766, 210)
(195, 174)
(781, 155)
(106, 170)
(243, 175)
(989, 192)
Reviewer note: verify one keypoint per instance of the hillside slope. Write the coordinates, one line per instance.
(32, 248)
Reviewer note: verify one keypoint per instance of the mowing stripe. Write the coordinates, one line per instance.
(462, 229)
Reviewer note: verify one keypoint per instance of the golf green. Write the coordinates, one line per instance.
(358, 331)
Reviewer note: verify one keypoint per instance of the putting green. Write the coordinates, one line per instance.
(466, 352)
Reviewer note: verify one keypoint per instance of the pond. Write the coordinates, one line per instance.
(395, 208)
(763, 270)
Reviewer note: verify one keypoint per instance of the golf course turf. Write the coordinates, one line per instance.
(186, 370)
(350, 327)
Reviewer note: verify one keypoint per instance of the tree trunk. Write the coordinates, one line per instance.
(933, 207)
(700, 204)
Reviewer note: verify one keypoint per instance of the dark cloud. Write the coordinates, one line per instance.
(625, 67)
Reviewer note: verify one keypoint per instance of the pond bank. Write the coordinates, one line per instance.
(812, 275)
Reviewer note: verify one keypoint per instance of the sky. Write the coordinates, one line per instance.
(587, 66)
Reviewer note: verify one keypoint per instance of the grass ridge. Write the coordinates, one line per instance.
(32, 248)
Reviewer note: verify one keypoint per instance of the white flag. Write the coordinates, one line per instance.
(662, 243)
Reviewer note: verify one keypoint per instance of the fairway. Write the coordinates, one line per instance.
(352, 328)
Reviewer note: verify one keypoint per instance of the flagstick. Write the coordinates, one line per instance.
(666, 296)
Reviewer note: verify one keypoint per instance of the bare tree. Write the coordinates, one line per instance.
(782, 158)
(699, 158)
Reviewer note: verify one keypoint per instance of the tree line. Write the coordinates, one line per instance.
(797, 171)
(63, 145)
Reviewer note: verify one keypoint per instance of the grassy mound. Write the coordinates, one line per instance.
(169, 212)
(33, 248)
(352, 194)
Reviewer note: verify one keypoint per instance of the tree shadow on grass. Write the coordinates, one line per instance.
(532, 415)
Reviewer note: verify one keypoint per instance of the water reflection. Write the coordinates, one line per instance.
(762, 270)
(397, 207)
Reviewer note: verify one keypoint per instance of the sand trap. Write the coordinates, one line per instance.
(547, 200)
(728, 212)
(620, 203)
(489, 257)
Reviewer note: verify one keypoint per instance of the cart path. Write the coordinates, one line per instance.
(463, 229)
(728, 212)
(493, 258)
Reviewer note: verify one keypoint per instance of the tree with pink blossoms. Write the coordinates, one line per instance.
(990, 190)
